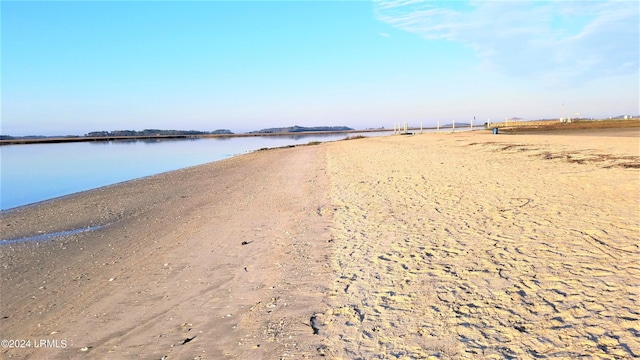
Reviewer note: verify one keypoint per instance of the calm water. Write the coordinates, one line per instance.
(32, 173)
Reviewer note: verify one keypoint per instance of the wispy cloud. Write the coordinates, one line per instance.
(558, 41)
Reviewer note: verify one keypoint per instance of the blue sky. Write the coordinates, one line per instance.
(75, 67)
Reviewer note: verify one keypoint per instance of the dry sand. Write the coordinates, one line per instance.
(482, 246)
(465, 245)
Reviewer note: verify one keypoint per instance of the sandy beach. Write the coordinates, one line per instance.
(452, 246)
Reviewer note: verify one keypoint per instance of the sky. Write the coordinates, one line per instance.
(71, 67)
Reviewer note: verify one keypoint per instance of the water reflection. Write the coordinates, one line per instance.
(143, 140)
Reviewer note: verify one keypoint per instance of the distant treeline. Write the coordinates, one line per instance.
(294, 129)
(155, 132)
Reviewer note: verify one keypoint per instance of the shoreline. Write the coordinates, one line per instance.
(405, 245)
(618, 132)
(196, 244)
(293, 143)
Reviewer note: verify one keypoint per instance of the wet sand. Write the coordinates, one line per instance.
(466, 245)
(215, 261)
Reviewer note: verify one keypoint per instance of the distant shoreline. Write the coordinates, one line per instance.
(513, 128)
(51, 140)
